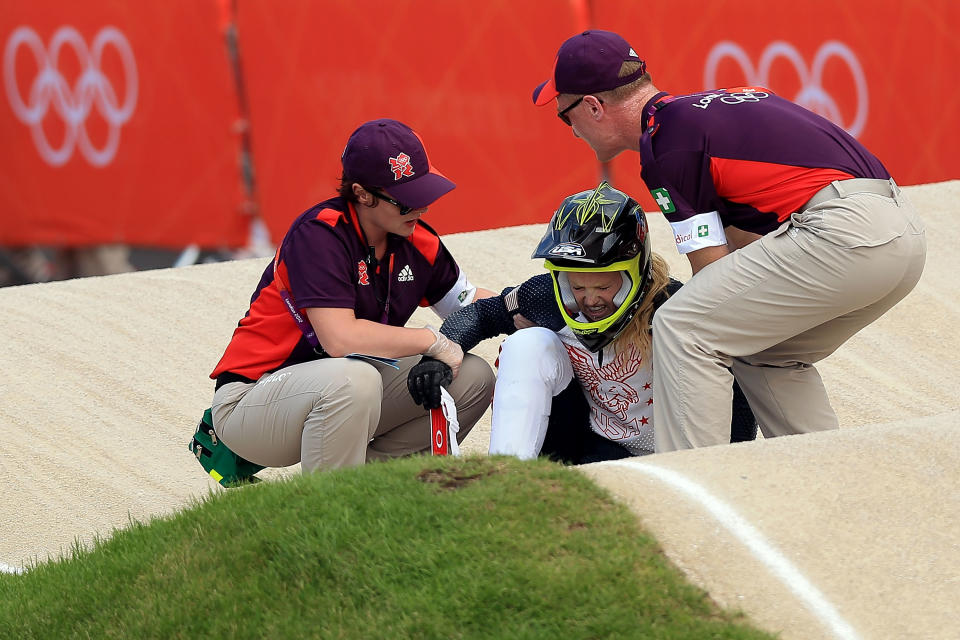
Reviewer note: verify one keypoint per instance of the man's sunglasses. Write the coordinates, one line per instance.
(563, 114)
(404, 209)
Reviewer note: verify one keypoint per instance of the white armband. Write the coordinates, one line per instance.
(460, 295)
(700, 231)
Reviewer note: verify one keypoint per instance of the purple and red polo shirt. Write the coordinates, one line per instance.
(324, 261)
(742, 157)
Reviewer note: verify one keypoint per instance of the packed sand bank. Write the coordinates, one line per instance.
(102, 381)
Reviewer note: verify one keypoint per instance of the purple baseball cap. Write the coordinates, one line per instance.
(390, 155)
(589, 62)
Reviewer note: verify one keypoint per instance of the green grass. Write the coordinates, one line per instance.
(416, 548)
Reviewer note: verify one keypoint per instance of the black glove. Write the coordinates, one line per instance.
(425, 379)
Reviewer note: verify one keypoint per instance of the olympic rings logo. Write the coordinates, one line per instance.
(739, 97)
(744, 96)
(812, 95)
(91, 89)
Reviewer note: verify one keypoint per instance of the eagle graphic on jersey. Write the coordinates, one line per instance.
(607, 385)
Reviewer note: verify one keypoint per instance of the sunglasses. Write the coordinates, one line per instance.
(404, 209)
(563, 114)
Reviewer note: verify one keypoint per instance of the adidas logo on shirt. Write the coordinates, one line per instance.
(405, 275)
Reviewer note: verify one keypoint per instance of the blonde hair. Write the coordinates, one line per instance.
(637, 333)
(623, 92)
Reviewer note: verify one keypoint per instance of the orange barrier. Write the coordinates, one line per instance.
(461, 74)
(117, 126)
(879, 69)
(164, 172)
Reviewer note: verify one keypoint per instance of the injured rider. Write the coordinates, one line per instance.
(577, 385)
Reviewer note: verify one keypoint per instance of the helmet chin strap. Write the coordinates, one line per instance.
(566, 292)
(625, 287)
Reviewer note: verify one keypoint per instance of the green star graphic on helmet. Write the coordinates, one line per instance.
(591, 204)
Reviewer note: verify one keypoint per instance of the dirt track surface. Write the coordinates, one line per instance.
(102, 380)
(845, 534)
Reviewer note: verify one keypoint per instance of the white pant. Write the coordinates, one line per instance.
(534, 367)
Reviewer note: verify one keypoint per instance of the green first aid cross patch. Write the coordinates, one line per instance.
(663, 200)
(703, 231)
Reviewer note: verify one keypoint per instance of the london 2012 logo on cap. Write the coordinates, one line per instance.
(401, 166)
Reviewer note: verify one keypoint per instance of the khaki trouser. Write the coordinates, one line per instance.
(772, 309)
(339, 412)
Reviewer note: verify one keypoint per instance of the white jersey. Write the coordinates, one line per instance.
(620, 392)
